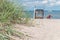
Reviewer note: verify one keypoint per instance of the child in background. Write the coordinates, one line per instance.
(49, 17)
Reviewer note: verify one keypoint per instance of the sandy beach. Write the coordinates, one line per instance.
(44, 29)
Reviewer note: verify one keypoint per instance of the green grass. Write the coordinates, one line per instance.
(9, 15)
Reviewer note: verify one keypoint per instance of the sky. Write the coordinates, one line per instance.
(40, 4)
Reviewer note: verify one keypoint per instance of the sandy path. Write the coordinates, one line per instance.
(44, 30)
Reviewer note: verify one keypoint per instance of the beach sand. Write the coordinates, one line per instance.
(44, 29)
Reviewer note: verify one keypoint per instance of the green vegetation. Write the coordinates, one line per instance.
(9, 15)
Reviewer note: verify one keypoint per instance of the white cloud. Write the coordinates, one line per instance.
(26, 0)
(36, 3)
(52, 0)
(52, 4)
(32, 3)
(45, 2)
(58, 3)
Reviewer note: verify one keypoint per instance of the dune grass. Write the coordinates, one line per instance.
(9, 15)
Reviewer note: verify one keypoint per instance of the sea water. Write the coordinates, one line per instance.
(55, 14)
